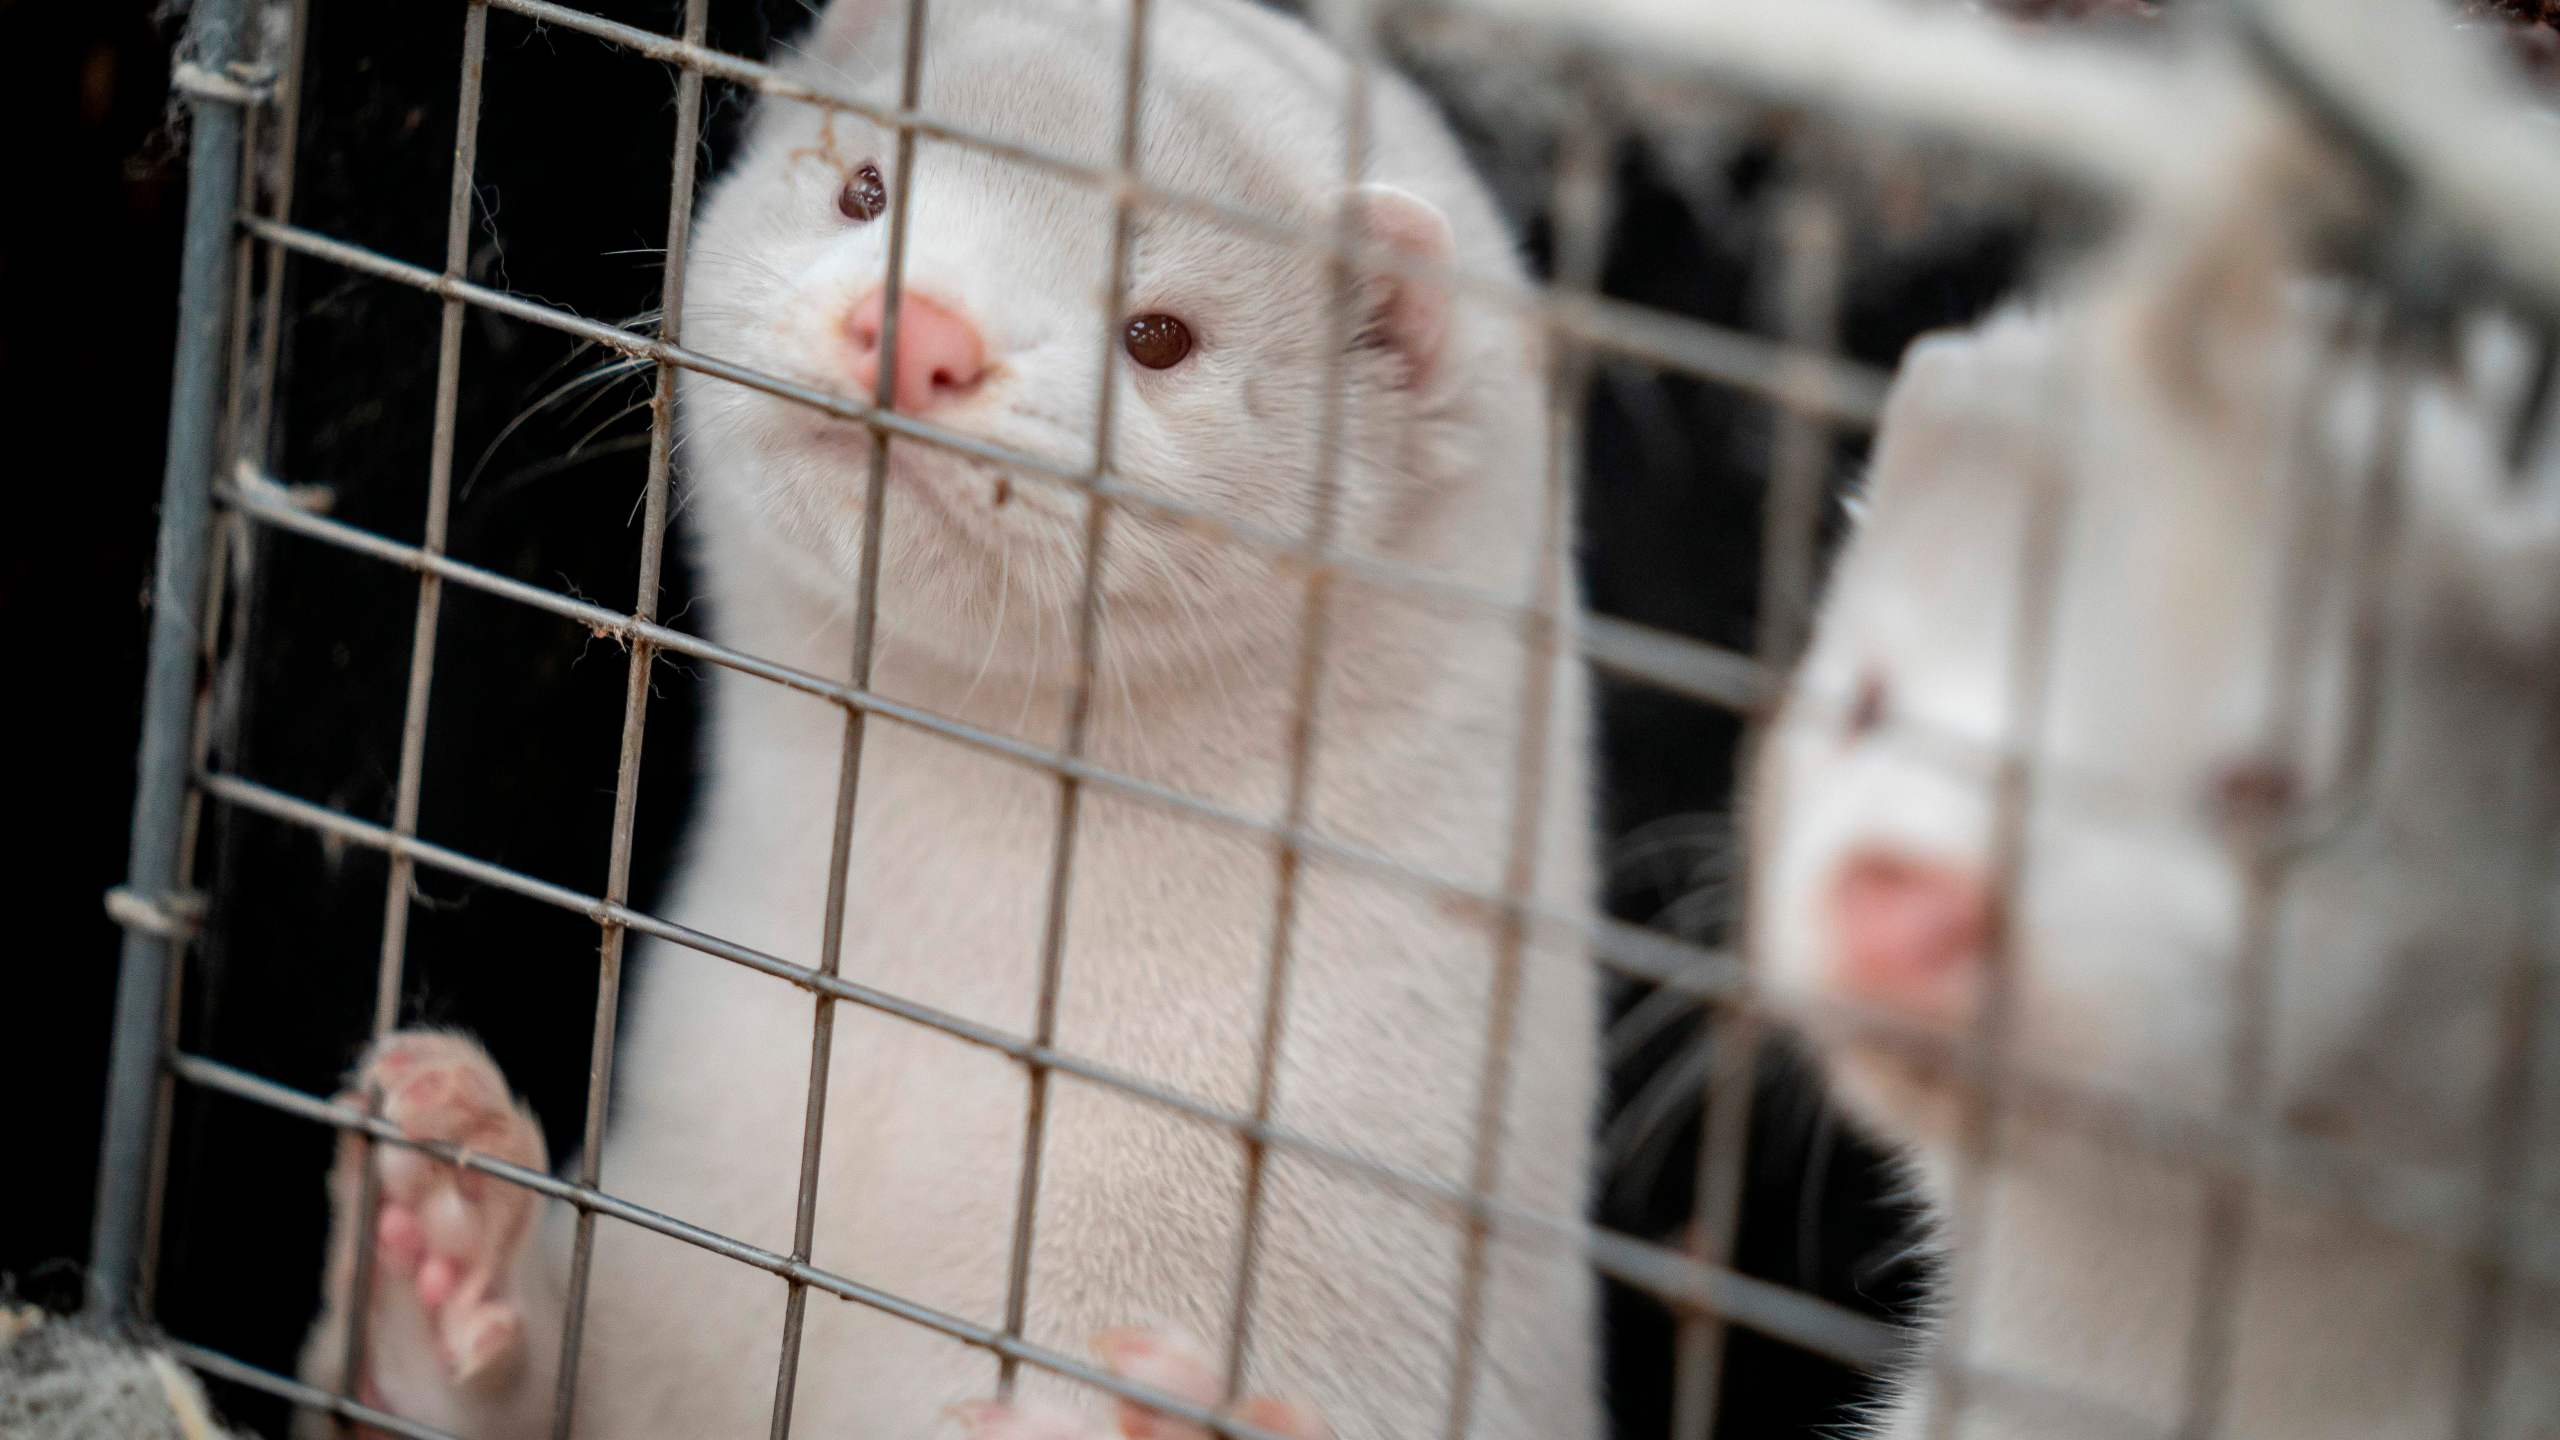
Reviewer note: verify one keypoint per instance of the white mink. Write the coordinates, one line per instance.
(2200, 456)
(1444, 451)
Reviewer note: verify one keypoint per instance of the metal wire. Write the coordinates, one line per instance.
(1809, 263)
(232, 586)
(2508, 1115)
(1053, 925)
(866, 621)
(154, 863)
(1817, 381)
(1991, 1087)
(635, 717)
(1817, 395)
(1315, 617)
(1803, 1320)
(388, 980)
(2223, 1256)
(1643, 954)
(1674, 661)
(1584, 219)
(227, 1079)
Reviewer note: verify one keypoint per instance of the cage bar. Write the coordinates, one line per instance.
(1672, 661)
(1315, 617)
(2083, 107)
(154, 867)
(1810, 261)
(1987, 1063)
(635, 717)
(1646, 954)
(388, 981)
(866, 617)
(1582, 231)
(1053, 925)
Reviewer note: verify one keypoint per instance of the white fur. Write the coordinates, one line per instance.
(1169, 917)
(2154, 416)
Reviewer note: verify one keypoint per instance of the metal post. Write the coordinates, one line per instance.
(168, 704)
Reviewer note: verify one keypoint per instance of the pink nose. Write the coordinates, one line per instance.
(1911, 932)
(940, 356)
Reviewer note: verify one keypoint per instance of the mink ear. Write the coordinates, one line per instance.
(1406, 313)
(2199, 323)
(1964, 401)
(1939, 379)
(1939, 370)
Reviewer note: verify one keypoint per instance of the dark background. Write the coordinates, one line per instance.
(520, 763)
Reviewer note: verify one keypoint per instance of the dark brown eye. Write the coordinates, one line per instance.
(1866, 709)
(2253, 794)
(864, 196)
(1156, 341)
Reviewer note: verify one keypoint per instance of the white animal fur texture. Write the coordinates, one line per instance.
(2150, 413)
(63, 1380)
(1444, 466)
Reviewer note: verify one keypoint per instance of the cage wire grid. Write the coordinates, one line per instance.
(238, 239)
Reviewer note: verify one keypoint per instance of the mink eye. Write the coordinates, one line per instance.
(1158, 342)
(1866, 708)
(864, 196)
(2252, 794)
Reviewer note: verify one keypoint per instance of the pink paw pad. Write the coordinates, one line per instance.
(399, 1241)
(446, 1237)
(1163, 1362)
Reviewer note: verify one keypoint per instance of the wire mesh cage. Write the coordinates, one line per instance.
(1855, 131)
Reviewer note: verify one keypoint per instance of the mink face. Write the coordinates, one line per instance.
(2226, 797)
(1217, 357)
(1227, 366)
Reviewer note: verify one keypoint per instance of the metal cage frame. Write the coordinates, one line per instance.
(244, 105)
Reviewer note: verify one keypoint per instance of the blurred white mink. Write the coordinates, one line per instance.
(2198, 428)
